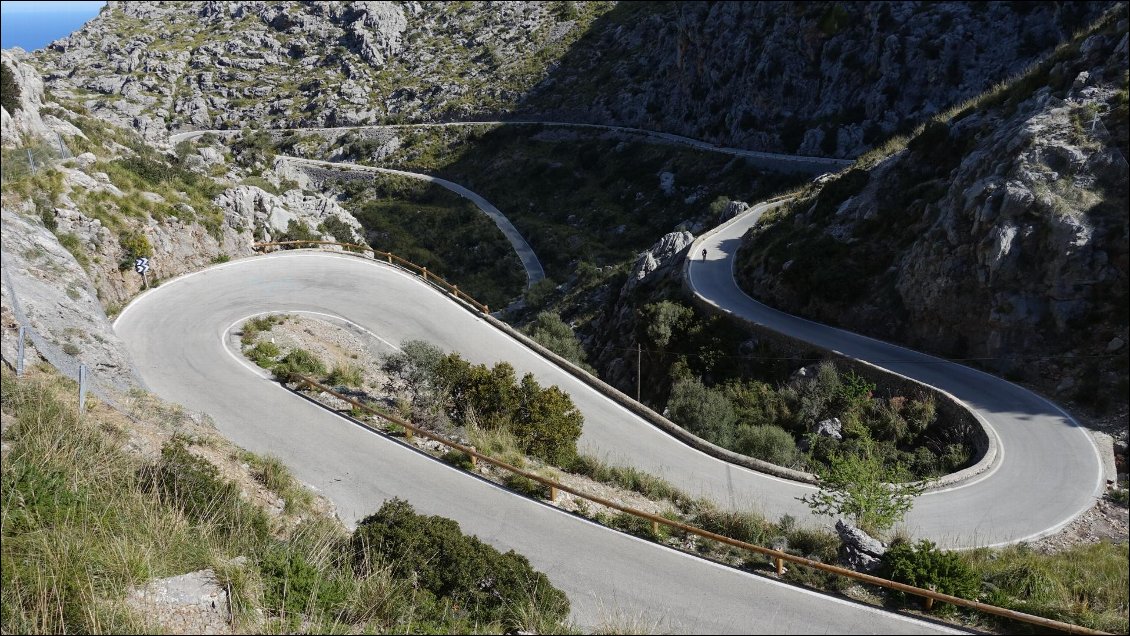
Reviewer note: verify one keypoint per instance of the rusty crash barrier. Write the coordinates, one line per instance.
(777, 558)
(391, 259)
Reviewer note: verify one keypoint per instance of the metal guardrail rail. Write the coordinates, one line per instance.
(778, 557)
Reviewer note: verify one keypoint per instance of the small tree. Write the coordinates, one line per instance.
(859, 486)
(9, 89)
(664, 319)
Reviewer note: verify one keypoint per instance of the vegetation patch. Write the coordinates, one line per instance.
(84, 521)
(435, 228)
(454, 573)
(543, 421)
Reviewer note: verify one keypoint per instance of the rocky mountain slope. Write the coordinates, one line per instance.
(820, 78)
(193, 65)
(998, 236)
(814, 78)
(82, 200)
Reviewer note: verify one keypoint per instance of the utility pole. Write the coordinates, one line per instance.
(639, 369)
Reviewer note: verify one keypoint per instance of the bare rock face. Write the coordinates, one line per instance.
(831, 427)
(813, 79)
(193, 603)
(656, 260)
(60, 302)
(24, 126)
(271, 215)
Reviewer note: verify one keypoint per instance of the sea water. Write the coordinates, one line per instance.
(34, 25)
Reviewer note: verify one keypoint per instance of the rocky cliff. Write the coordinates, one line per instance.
(813, 78)
(195, 65)
(818, 78)
(997, 236)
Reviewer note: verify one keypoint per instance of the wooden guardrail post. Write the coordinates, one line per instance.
(780, 566)
(424, 270)
(552, 493)
(389, 255)
(655, 528)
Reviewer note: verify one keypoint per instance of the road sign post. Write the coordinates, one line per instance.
(81, 388)
(141, 266)
(20, 352)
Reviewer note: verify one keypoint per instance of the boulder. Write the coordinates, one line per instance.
(732, 209)
(659, 257)
(859, 550)
(831, 427)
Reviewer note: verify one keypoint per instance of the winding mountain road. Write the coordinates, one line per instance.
(179, 337)
(776, 161)
(1047, 470)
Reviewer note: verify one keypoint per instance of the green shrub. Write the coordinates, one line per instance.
(134, 246)
(924, 565)
(552, 333)
(770, 443)
(664, 319)
(858, 484)
(340, 230)
(703, 411)
(296, 586)
(345, 375)
(537, 295)
(416, 366)
(547, 425)
(298, 362)
(459, 459)
(297, 231)
(458, 570)
(545, 421)
(526, 486)
(264, 354)
(9, 89)
(264, 323)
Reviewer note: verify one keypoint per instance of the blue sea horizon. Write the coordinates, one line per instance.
(31, 30)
